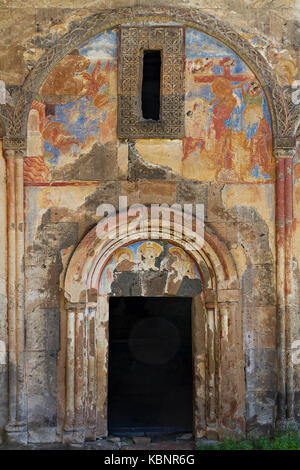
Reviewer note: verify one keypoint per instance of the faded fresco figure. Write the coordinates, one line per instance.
(182, 276)
(196, 132)
(224, 103)
(227, 122)
(147, 254)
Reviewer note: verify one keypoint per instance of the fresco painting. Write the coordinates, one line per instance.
(76, 108)
(139, 261)
(227, 121)
(228, 125)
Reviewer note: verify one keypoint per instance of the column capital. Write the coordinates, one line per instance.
(74, 307)
(79, 307)
(14, 146)
(284, 142)
(284, 152)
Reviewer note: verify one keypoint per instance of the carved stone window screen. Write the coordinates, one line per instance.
(133, 41)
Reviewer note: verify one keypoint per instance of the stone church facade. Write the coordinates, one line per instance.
(74, 136)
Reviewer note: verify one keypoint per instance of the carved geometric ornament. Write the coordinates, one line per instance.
(133, 41)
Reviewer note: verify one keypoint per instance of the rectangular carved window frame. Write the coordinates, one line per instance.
(133, 41)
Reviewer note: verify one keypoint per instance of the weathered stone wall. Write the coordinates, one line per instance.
(75, 162)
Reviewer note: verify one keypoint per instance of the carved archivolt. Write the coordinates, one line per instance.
(284, 114)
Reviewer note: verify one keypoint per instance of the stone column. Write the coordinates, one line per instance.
(212, 369)
(286, 303)
(70, 372)
(80, 398)
(280, 284)
(91, 373)
(232, 374)
(16, 429)
(199, 343)
(101, 344)
(76, 371)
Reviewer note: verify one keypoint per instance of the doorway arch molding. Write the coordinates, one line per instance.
(218, 364)
(283, 121)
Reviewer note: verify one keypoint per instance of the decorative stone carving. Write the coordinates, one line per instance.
(284, 152)
(133, 41)
(16, 143)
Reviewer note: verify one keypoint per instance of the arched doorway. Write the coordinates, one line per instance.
(151, 285)
(173, 268)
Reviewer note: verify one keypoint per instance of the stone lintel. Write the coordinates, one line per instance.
(14, 147)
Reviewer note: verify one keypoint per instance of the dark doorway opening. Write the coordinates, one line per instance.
(150, 379)
(151, 85)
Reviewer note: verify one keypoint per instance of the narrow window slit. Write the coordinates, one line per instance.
(151, 85)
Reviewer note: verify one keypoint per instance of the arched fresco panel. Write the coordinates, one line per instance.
(227, 120)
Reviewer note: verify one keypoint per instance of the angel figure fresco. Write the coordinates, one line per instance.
(196, 132)
(56, 135)
(96, 80)
(107, 277)
(181, 268)
(65, 141)
(183, 278)
(258, 133)
(183, 265)
(147, 254)
(253, 94)
(124, 259)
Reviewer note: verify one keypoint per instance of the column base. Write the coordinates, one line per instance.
(16, 433)
(76, 436)
(287, 425)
